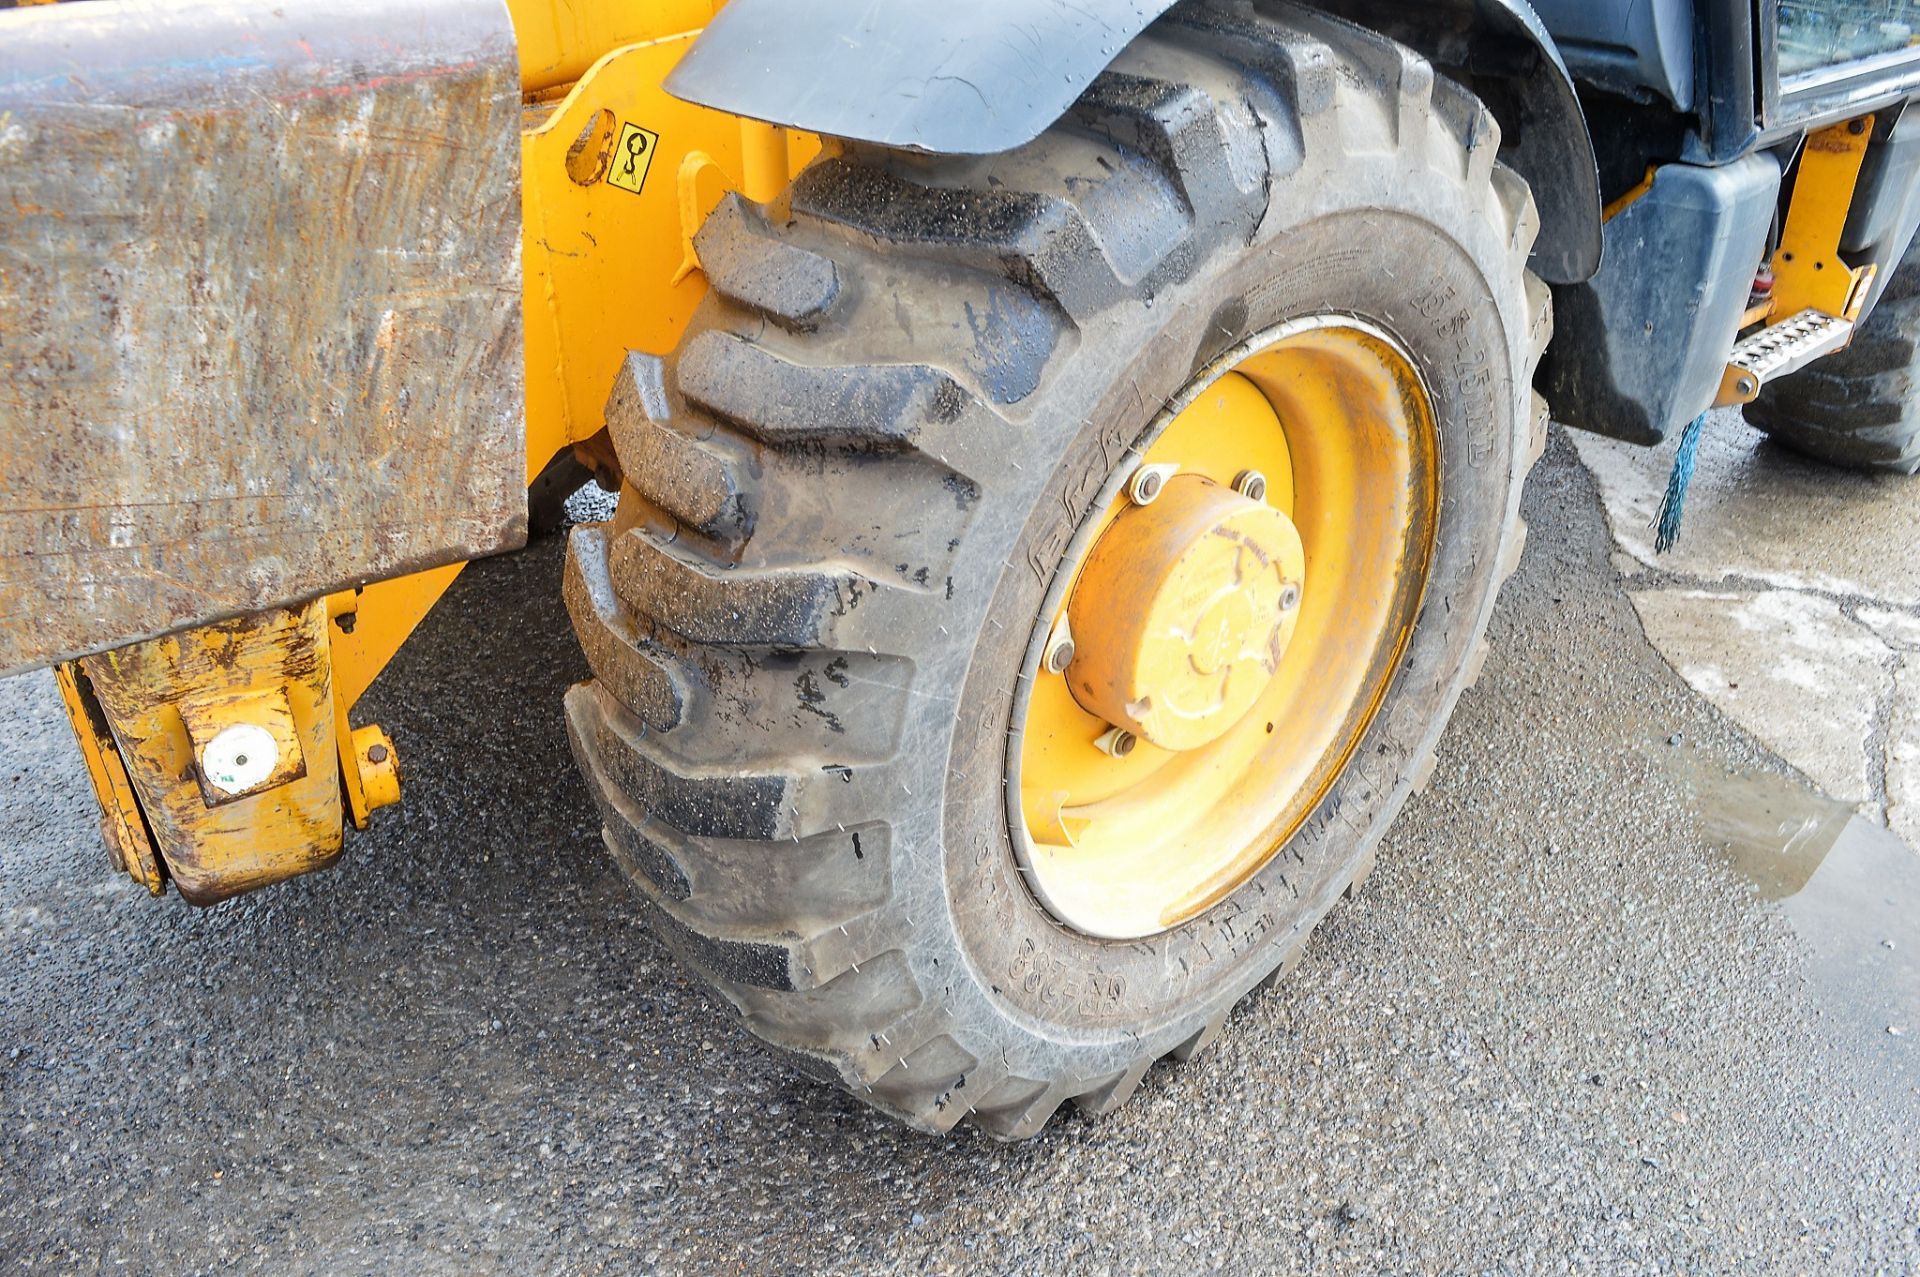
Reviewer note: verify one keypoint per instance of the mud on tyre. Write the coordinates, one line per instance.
(850, 489)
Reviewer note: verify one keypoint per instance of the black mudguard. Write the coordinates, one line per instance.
(986, 76)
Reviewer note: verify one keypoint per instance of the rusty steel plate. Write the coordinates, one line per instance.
(260, 332)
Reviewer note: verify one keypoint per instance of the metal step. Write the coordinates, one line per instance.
(1781, 348)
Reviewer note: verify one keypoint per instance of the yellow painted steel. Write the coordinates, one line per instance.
(378, 766)
(124, 829)
(1808, 272)
(763, 160)
(609, 268)
(1183, 611)
(1618, 204)
(366, 628)
(559, 39)
(370, 624)
(227, 817)
(1334, 414)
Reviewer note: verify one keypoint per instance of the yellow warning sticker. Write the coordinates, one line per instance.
(632, 156)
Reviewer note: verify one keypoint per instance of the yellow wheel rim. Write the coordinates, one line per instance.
(1223, 627)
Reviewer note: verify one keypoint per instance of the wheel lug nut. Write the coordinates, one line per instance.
(1058, 653)
(1251, 484)
(1116, 742)
(1148, 482)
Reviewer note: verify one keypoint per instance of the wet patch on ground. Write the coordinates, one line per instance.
(1792, 603)
(1851, 892)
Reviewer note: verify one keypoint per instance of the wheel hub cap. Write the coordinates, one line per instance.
(1183, 612)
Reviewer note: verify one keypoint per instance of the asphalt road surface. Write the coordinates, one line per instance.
(1577, 1021)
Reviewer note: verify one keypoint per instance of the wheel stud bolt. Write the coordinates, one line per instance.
(1116, 742)
(1251, 484)
(1148, 482)
(1060, 655)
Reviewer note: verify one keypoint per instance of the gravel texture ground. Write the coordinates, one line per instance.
(1557, 1032)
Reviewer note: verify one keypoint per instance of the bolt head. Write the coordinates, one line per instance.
(1251, 484)
(1289, 597)
(1116, 742)
(1059, 656)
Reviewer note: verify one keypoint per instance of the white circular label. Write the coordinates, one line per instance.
(239, 758)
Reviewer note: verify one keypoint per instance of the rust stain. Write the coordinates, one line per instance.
(253, 343)
(167, 698)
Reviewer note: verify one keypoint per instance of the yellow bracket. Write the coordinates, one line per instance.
(129, 843)
(213, 752)
(365, 629)
(607, 248)
(1816, 295)
(157, 721)
(1808, 273)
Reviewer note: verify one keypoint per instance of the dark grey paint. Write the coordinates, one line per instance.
(982, 77)
(1631, 47)
(1886, 212)
(1640, 348)
(967, 77)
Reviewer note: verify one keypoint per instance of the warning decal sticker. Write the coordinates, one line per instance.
(632, 156)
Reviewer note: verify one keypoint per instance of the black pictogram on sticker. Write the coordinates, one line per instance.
(632, 156)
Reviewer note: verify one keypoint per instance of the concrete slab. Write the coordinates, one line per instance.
(1903, 754)
(1760, 513)
(1790, 668)
(1896, 629)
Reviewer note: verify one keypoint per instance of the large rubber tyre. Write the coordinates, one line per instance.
(1859, 408)
(850, 485)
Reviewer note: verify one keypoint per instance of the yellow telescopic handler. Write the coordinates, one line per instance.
(1066, 454)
